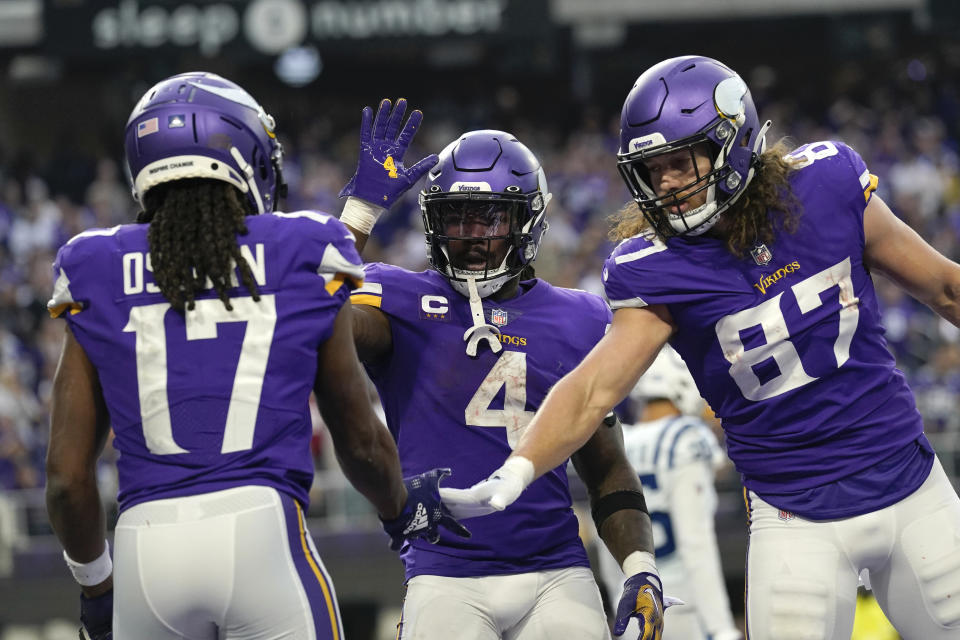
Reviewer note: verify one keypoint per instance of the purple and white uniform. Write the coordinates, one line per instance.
(445, 408)
(210, 414)
(788, 348)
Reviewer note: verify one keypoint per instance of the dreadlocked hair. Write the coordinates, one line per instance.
(767, 205)
(193, 237)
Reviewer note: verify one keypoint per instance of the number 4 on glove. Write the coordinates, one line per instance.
(381, 177)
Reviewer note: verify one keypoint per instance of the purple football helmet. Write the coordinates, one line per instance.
(199, 125)
(676, 105)
(486, 197)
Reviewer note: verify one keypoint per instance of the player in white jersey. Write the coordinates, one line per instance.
(675, 453)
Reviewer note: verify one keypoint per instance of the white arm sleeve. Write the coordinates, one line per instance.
(692, 507)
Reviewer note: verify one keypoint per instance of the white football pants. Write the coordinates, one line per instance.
(234, 564)
(543, 605)
(802, 574)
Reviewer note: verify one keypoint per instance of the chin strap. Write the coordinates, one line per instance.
(480, 329)
(759, 146)
(248, 174)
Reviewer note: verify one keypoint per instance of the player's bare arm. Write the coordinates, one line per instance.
(602, 465)
(576, 405)
(371, 332)
(364, 447)
(896, 250)
(79, 427)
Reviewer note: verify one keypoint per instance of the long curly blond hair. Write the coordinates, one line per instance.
(766, 206)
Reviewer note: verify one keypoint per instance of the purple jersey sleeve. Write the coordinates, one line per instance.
(210, 398)
(842, 173)
(787, 346)
(448, 409)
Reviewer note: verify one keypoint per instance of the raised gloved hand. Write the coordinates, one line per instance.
(381, 176)
(643, 599)
(96, 616)
(495, 493)
(424, 513)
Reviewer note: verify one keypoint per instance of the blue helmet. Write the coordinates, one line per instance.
(676, 105)
(487, 192)
(199, 125)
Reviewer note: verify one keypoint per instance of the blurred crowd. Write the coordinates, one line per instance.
(906, 130)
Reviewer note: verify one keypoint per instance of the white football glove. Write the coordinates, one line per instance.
(495, 493)
(729, 634)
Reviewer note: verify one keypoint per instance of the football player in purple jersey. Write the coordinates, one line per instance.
(197, 335)
(756, 266)
(462, 354)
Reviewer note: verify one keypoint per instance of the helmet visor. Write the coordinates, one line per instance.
(680, 169)
(475, 219)
(476, 234)
(672, 182)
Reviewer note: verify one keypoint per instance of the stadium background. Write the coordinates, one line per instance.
(881, 75)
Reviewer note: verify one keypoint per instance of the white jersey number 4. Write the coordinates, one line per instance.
(510, 372)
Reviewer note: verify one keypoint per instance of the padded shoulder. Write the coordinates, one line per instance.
(836, 168)
(323, 236)
(640, 271)
(81, 254)
(391, 288)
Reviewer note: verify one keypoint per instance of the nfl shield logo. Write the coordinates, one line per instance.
(785, 515)
(761, 255)
(498, 317)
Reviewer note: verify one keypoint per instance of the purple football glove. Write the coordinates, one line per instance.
(424, 513)
(642, 599)
(96, 616)
(381, 176)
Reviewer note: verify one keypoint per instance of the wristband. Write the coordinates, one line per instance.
(91, 573)
(520, 468)
(639, 562)
(360, 214)
(607, 505)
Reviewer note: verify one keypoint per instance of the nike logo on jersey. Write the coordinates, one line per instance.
(767, 281)
(419, 520)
